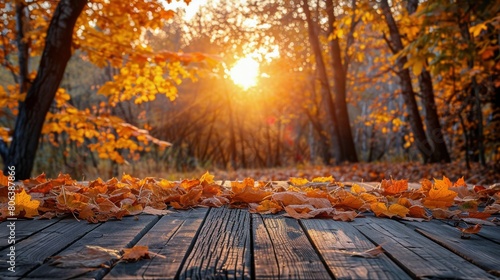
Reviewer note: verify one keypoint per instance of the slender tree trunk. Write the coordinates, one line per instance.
(339, 83)
(40, 95)
(440, 150)
(332, 122)
(434, 131)
(406, 87)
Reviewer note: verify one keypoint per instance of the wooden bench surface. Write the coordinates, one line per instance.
(223, 243)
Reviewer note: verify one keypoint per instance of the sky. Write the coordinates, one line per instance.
(190, 9)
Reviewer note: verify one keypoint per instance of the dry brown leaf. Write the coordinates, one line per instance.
(90, 256)
(136, 253)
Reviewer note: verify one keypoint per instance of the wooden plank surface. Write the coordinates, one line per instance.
(222, 247)
(478, 250)
(282, 251)
(335, 240)
(33, 251)
(113, 234)
(420, 256)
(170, 237)
(23, 229)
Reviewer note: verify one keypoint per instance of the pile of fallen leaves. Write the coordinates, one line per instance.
(323, 197)
(372, 172)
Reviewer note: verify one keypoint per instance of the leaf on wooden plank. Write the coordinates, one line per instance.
(90, 256)
(466, 232)
(25, 203)
(265, 207)
(216, 201)
(299, 211)
(136, 253)
(370, 253)
(444, 213)
(152, 211)
(392, 187)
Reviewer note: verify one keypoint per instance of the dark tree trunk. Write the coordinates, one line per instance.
(40, 95)
(434, 131)
(339, 79)
(406, 87)
(332, 122)
(440, 150)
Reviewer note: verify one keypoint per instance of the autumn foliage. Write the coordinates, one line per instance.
(323, 197)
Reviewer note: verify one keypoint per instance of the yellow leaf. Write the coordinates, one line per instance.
(24, 203)
(298, 181)
(357, 189)
(417, 67)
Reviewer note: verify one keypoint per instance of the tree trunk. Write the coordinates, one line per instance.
(434, 130)
(339, 82)
(406, 87)
(33, 110)
(332, 122)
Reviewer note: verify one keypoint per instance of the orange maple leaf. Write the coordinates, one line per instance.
(246, 192)
(392, 187)
(439, 195)
(136, 253)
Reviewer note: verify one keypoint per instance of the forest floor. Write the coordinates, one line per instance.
(368, 172)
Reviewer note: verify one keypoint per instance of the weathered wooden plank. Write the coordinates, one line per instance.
(222, 247)
(491, 233)
(282, 250)
(32, 251)
(420, 256)
(170, 237)
(479, 251)
(23, 229)
(113, 234)
(335, 240)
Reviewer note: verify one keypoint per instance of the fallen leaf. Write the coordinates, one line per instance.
(90, 256)
(26, 204)
(370, 253)
(466, 232)
(136, 253)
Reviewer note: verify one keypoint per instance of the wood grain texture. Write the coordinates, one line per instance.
(222, 249)
(418, 255)
(113, 234)
(477, 250)
(170, 237)
(282, 250)
(335, 240)
(24, 229)
(32, 251)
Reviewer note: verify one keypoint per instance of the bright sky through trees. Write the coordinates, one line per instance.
(245, 72)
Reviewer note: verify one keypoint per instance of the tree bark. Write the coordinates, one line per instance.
(33, 110)
(434, 131)
(339, 82)
(325, 87)
(406, 87)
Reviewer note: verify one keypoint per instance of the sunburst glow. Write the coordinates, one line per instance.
(245, 72)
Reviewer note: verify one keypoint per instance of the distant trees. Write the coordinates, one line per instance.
(341, 81)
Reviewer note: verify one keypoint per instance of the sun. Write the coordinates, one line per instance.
(245, 72)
